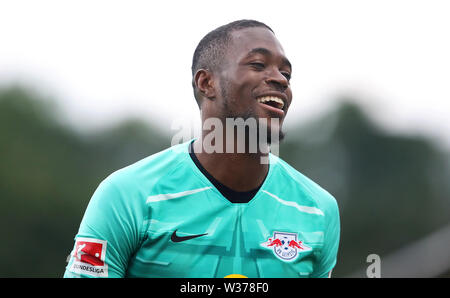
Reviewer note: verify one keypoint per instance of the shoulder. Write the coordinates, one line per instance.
(128, 188)
(303, 187)
(152, 167)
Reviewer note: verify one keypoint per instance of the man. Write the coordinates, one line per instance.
(190, 211)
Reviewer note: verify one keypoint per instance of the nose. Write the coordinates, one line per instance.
(277, 80)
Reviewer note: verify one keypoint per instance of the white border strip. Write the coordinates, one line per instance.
(169, 196)
(311, 210)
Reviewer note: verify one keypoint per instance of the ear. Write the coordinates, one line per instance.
(204, 81)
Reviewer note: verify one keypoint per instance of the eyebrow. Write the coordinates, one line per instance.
(264, 51)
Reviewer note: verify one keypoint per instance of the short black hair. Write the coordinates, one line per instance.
(212, 47)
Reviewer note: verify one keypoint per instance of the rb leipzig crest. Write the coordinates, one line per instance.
(285, 246)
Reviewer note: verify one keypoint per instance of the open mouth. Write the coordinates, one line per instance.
(272, 101)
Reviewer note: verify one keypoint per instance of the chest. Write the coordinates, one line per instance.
(214, 239)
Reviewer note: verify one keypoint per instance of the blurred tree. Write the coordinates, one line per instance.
(390, 189)
(47, 176)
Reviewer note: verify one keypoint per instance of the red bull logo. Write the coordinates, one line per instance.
(275, 242)
(285, 245)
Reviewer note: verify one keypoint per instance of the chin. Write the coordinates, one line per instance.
(276, 140)
(274, 135)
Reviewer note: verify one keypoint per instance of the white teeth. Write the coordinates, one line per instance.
(265, 99)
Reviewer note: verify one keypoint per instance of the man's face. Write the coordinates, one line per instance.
(254, 78)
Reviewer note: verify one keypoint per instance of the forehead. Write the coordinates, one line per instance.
(244, 40)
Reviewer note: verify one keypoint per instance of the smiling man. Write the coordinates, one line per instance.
(190, 211)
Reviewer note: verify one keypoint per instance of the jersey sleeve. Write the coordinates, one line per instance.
(111, 230)
(328, 255)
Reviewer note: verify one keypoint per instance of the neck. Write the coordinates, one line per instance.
(238, 171)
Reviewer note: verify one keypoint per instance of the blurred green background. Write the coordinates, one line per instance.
(392, 190)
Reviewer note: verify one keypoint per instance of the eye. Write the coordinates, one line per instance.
(257, 65)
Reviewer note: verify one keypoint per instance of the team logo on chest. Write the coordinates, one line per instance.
(285, 246)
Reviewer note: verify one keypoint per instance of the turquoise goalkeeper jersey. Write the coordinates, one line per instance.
(161, 217)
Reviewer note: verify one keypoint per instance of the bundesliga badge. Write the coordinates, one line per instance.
(89, 257)
(285, 246)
